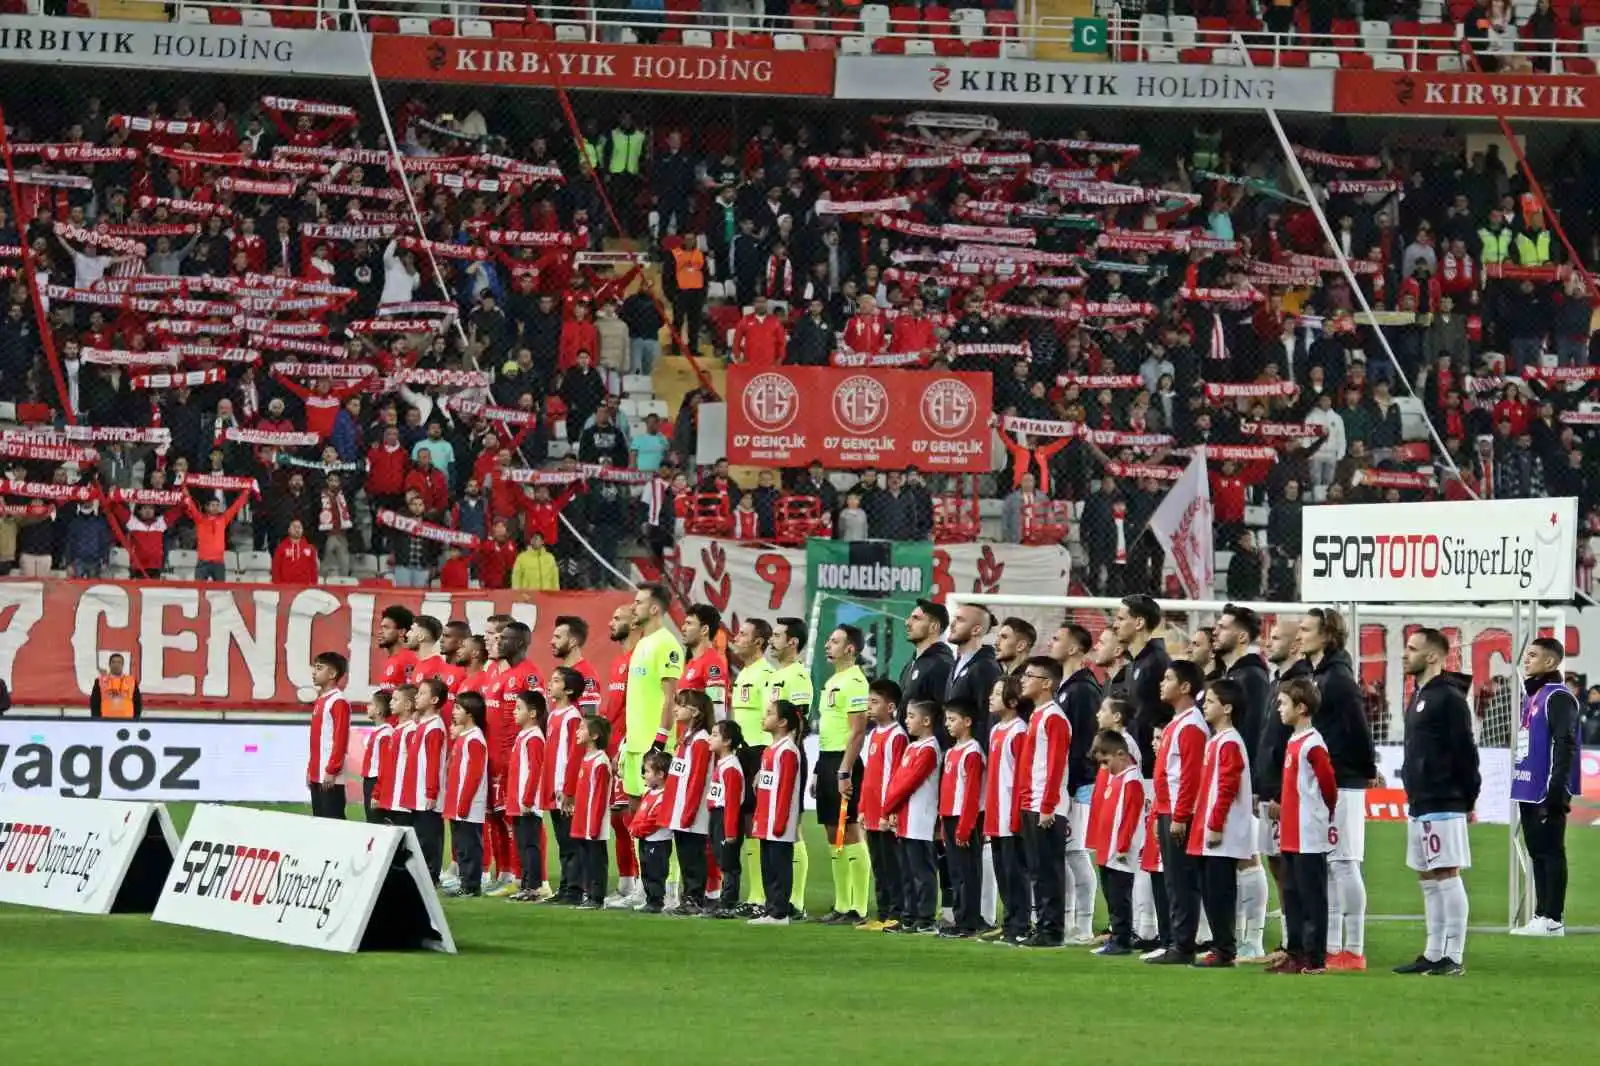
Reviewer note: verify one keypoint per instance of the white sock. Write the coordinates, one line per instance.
(1145, 924)
(989, 892)
(1353, 902)
(1453, 905)
(1335, 913)
(1082, 894)
(1069, 895)
(1252, 905)
(1433, 915)
(625, 886)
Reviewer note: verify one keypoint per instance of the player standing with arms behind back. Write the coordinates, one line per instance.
(1342, 721)
(1548, 773)
(1441, 778)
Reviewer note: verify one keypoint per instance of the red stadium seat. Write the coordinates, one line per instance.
(1198, 56)
(936, 21)
(230, 16)
(1003, 23)
(950, 47)
(375, 23)
(804, 16)
(889, 46)
(442, 27)
(821, 42)
(505, 30)
(1293, 57)
(797, 517)
(709, 515)
(1046, 523)
(955, 520)
(1578, 65)
(1355, 60)
(990, 49)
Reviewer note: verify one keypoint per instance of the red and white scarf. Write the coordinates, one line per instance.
(426, 530)
(333, 516)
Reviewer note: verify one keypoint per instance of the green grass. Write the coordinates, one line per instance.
(553, 985)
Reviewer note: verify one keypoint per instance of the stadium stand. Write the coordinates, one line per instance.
(241, 310)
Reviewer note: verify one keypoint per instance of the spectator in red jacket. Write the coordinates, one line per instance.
(455, 572)
(295, 561)
(1227, 497)
(543, 513)
(578, 334)
(913, 331)
(496, 557)
(759, 339)
(864, 333)
(322, 401)
(428, 481)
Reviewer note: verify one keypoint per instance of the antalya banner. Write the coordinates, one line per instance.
(846, 417)
(630, 67)
(238, 647)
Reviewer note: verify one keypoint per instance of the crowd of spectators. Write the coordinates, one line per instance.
(238, 303)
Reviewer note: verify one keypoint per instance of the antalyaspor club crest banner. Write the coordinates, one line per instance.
(860, 416)
(231, 647)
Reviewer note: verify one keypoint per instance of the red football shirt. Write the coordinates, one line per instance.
(589, 701)
(614, 706)
(398, 670)
(708, 673)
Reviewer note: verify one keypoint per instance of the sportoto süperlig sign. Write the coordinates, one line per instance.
(1459, 552)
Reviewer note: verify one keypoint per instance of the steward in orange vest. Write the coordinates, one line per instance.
(115, 694)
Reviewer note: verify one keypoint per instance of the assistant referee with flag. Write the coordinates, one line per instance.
(842, 729)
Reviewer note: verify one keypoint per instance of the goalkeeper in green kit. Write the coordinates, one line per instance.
(843, 728)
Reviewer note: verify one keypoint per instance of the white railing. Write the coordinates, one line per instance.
(1168, 39)
(1147, 39)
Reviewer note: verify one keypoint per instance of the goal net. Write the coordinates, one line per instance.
(1485, 645)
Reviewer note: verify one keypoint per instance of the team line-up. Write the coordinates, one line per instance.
(988, 774)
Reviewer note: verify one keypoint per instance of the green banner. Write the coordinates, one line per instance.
(872, 584)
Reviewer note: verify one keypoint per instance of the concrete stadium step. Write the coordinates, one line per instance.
(674, 379)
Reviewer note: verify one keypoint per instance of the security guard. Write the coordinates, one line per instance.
(116, 692)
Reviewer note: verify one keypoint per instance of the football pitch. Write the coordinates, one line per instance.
(541, 984)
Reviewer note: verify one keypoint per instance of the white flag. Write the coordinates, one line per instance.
(1183, 525)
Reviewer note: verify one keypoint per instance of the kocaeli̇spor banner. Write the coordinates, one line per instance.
(928, 419)
(631, 67)
(873, 585)
(1416, 92)
(1138, 85)
(238, 647)
(765, 581)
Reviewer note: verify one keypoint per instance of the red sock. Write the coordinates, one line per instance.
(507, 843)
(713, 872)
(627, 858)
